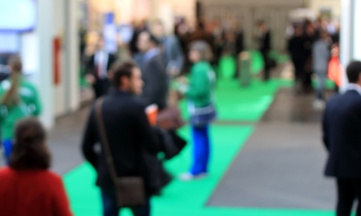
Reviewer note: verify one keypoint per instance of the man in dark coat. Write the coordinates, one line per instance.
(153, 68)
(97, 69)
(342, 138)
(129, 134)
(264, 40)
(298, 51)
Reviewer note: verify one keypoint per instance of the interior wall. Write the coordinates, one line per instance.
(246, 13)
(333, 5)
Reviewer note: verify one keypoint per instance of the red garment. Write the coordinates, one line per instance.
(32, 193)
(335, 71)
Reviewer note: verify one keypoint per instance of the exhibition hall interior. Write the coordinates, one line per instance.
(170, 108)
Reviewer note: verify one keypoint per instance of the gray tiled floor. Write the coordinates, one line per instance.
(281, 165)
(64, 141)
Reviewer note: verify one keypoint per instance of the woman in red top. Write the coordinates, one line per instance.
(27, 188)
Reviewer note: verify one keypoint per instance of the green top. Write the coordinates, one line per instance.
(201, 84)
(29, 105)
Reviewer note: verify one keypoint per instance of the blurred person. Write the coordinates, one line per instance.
(18, 99)
(321, 57)
(239, 41)
(341, 136)
(311, 35)
(138, 28)
(229, 45)
(290, 31)
(218, 48)
(200, 34)
(264, 41)
(298, 52)
(335, 68)
(97, 69)
(153, 69)
(200, 94)
(229, 48)
(129, 135)
(336, 35)
(27, 187)
(172, 51)
(182, 32)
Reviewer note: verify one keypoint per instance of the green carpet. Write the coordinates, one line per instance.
(178, 196)
(235, 103)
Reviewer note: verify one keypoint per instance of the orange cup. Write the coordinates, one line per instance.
(152, 114)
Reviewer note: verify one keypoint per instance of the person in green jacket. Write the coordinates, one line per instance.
(18, 99)
(200, 95)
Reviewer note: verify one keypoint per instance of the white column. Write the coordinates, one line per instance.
(356, 43)
(44, 73)
(71, 72)
(346, 31)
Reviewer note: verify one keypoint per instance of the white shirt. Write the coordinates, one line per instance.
(101, 63)
(352, 86)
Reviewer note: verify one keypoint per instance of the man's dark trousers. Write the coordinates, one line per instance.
(110, 207)
(348, 191)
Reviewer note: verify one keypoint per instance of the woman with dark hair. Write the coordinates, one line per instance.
(26, 186)
(18, 99)
(200, 94)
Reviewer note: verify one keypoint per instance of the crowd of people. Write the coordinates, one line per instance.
(310, 47)
(130, 141)
(224, 41)
(128, 166)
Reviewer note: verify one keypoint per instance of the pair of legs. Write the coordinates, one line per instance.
(8, 147)
(267, 66)
(321, 80)
(110, 207)
(201, 150)
(348, 191)
(298, 74)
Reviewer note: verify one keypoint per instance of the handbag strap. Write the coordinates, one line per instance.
(104, 139)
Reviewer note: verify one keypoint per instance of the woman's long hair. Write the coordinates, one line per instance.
(11, 97)
(30, 148)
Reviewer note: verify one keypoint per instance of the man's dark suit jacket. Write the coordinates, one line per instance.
(129, 134)
(155, 78)
(342, 135)
(265, 42)
(101, 86)
(239, 42)
(91, 64)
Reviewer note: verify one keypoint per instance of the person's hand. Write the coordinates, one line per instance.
(182, 80)
(173, 72)
(90, 78)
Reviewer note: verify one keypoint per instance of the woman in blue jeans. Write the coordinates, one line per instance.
(200, 95)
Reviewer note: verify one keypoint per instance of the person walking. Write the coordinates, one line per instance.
(18, 99)
(321, 56)
(264, 40)
(341, 127)
(172, 51)
(200, 95)
(98, 67)
(129, 136)
(298, 52)
(27, 187)
(153, 70)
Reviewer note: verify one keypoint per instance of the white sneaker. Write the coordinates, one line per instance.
(190, 176)
(319, 105)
